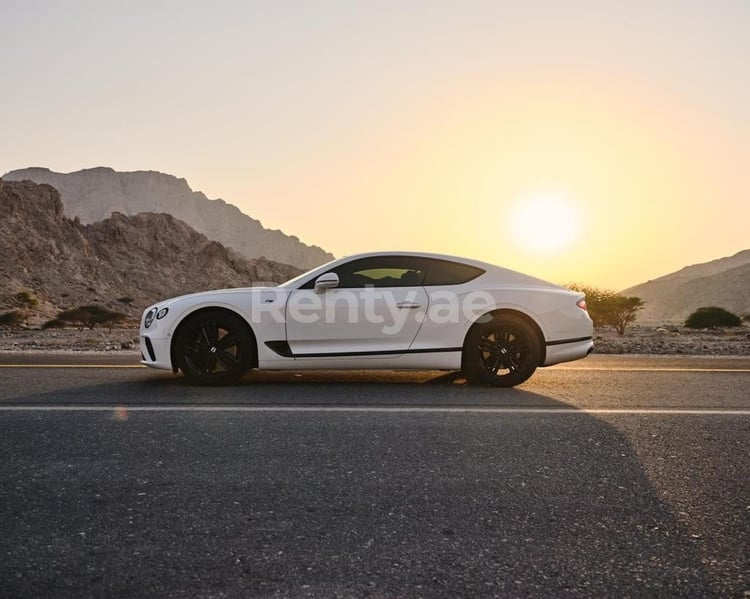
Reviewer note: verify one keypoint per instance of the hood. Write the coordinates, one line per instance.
(215, 293)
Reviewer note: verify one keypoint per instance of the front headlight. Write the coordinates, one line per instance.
(150, 315)
(162, 313)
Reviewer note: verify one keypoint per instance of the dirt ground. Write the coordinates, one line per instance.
(674, 340)
(100, 340)
(638, 339)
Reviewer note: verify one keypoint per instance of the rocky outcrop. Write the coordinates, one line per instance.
(143, 257)
(672, 298)
(93, 194)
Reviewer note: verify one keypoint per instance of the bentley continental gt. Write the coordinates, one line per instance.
(392, 310)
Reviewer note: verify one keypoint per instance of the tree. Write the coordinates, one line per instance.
(609, 308)
(621, 311)
(596, 302)
(712, 317)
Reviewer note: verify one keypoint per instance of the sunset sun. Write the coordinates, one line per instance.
(545, 222)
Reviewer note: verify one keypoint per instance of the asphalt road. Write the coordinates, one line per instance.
(613, 476)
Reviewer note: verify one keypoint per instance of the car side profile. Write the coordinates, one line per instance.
(391, 310)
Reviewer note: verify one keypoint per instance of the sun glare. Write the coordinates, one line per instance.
(545, 223)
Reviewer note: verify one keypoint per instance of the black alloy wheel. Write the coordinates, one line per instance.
(214, 348)
(504, 352)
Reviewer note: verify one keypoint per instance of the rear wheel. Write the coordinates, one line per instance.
(214, 348)
(501, 353)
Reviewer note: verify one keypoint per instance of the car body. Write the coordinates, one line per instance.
(385, 310)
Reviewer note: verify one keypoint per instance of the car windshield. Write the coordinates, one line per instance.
(293, 281)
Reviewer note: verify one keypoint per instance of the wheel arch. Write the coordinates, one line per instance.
(186, 317)
(515, 314)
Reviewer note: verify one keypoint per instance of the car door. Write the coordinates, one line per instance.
(377, 307)
(454, 303)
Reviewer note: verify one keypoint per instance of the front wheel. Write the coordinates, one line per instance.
(214, 348)
(501, 353)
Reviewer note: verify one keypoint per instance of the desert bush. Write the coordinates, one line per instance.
(27, 299)
(712, 317)
(55, 323)
(609, 308)
(91, 316)
(12, 318)
(596, 301)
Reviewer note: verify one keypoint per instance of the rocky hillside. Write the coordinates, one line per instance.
(724, 282)
(144, 257)
(93, 194)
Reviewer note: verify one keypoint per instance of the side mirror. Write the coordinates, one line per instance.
(326, 281)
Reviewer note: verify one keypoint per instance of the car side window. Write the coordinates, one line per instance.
(383, 271)
(445, 272)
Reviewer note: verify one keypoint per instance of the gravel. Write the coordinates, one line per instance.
(638, 339)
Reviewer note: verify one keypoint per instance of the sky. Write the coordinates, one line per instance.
(599, 142)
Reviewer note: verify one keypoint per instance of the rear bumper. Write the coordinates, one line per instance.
(567, 351)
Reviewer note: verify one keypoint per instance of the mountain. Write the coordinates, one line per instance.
(144, 257)
(724, 282)
(93, 194)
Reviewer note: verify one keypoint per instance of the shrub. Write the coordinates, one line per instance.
(712, 317)
(27, 299)
(55, 323)
(596, 302)
(11, 318)
(609, 308)
(91, 316)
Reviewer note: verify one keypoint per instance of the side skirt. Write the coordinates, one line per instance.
(282, 348)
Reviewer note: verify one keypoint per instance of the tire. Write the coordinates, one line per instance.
(214, 348)
(504, 352)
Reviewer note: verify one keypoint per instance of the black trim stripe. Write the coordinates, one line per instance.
(387, 352)
(564, 341)
(282, 348)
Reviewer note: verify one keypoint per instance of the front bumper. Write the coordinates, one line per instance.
(156, 352)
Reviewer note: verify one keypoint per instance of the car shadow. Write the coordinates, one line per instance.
(289, 388)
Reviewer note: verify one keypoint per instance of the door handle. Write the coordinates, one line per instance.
(407, 305)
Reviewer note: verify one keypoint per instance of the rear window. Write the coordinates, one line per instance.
(444, 272)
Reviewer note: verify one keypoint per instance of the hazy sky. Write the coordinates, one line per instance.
(601, 142)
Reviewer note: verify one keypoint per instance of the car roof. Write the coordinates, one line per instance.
(414, 254)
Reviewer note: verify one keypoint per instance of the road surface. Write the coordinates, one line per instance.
(614, 475)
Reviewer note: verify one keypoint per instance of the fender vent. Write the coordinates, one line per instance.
(150, 349)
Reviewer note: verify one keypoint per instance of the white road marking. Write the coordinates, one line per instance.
(647, 369)
(72, 366)
(375, 409)
(541, 370)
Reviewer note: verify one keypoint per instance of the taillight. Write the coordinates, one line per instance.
(581, 303)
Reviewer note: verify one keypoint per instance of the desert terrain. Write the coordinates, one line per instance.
(638, 339)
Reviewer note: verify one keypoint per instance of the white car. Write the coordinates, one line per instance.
(393, 310)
